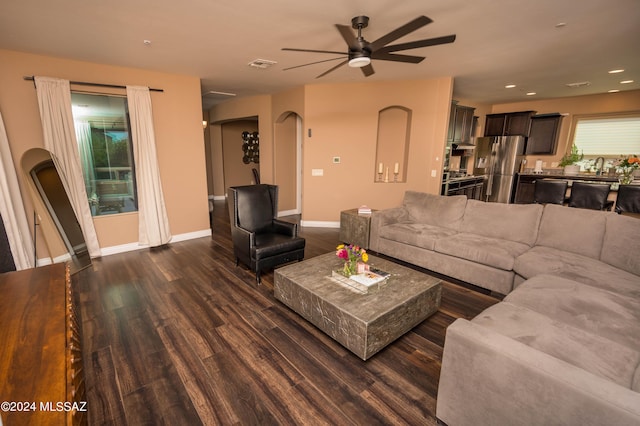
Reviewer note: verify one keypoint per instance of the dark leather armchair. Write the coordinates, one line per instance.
(550, 191)
(628, 200)
(590, 196)
(260, 240)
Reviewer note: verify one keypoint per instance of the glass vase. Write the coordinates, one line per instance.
(626, 177)
(350, 268)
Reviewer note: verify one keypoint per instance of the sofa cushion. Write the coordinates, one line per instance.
(545, 260)
(435, 210)
(579, 231)
(488, 251)
(591, 352)
(513, 222)
(415, 234)
(621, 245)
(607, 314)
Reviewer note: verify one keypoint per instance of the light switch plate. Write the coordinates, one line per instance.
(317, 172)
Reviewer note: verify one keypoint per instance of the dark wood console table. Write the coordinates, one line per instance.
(40, 355)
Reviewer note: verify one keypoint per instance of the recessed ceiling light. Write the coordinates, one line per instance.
(561, 24)
(626, 81)
(531, 93)
(614, 91)
(509, 86)
(146, 42)
(615, 71)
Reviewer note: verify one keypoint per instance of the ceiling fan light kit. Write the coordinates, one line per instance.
(360, 52)
(359, 62)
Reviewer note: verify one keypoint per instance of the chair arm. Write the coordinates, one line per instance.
(285, 228)
(242, 238)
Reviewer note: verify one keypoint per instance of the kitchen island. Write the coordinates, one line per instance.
(525, 183)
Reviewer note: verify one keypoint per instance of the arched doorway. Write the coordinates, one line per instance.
(56, 218)
(288, 163)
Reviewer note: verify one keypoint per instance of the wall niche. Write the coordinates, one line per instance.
(392, 147)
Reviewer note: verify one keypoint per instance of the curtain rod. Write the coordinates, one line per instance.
(82, 83)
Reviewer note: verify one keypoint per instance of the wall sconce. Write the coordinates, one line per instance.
(204, 124)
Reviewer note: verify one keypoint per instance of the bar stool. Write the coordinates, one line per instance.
(628, 200)
(550, 191)
(590, 196)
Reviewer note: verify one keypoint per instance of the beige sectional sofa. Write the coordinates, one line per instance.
(563, 347)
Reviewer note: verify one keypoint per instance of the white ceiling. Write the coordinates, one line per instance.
(498, 41)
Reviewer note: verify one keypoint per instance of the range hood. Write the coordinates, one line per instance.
(463, 145)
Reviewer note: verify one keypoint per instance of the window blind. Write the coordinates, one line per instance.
(608, 136)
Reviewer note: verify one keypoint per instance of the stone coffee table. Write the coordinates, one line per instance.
(363, 323)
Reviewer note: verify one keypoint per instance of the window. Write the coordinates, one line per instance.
(104, 142)
(608, 136)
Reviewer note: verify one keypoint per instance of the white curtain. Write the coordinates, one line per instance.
(54, 100)
(153, 228)
(85, 148)
(12, 207)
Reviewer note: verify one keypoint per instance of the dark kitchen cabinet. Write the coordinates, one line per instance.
(508, 124)
(470, 186)
(494, 125)
(460, 123)
(543, 137)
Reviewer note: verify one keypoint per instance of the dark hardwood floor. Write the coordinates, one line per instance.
(179, 335)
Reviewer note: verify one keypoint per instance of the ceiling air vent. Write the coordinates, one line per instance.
(261, 63)
(579, 84)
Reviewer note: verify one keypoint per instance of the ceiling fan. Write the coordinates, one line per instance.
(361, 52)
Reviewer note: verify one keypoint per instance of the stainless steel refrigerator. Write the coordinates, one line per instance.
(498, 159)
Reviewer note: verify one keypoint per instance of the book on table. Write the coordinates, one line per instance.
(364, 210)
(365, 282)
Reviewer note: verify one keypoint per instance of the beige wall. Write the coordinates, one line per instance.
(344, 122)
(178, 129)
(343, 119)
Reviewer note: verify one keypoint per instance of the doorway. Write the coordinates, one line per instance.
(288, 163)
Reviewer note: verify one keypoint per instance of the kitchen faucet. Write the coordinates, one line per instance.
(599, 170)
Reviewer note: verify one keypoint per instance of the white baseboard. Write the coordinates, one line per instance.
(123, 248)
(319, 224)
(288, 212)
(218, 197)
(191, 235)
(58, 259)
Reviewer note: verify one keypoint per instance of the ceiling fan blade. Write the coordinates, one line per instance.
(407, 28)
(333, 69)
(384, 56)
(313, 51)
(418, 43)
(367, 70)
(349, 37)
(312, 63)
